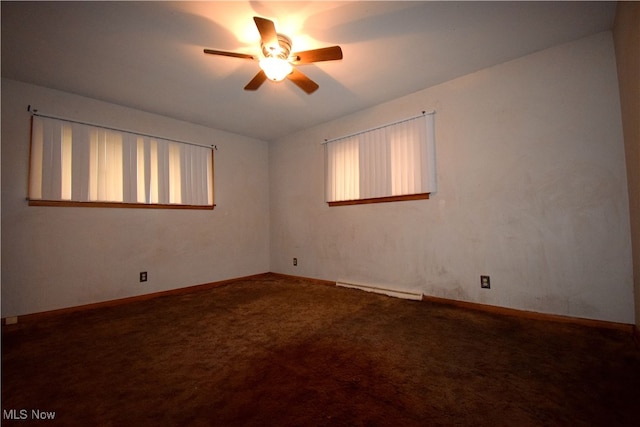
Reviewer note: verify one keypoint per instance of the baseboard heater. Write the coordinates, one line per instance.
(390, 292)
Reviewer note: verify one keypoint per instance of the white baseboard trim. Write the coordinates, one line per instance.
(416, 296)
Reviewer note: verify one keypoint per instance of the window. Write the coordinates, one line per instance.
(75, 164)
(389, 163)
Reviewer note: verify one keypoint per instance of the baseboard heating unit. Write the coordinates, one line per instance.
(390, 292)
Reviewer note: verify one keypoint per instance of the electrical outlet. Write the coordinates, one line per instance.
(295, 261)
(143, 276)
(485, 282)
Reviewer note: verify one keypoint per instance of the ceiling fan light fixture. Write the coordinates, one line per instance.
(276, 69)
(277, 62)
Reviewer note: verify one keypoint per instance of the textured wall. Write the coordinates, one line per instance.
(532, 191)
(61, 257)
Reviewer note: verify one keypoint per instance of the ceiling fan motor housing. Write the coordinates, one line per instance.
(281, 51)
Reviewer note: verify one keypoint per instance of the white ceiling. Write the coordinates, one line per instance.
(149, 55)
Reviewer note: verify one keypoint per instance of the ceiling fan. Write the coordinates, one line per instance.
(278, 62)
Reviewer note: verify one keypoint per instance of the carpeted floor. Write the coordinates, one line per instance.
(278, 351)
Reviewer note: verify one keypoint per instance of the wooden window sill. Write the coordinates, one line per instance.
(421, 196)
(64, 203)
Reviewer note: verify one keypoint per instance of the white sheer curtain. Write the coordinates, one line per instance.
(84, 163)
(393, 160)
(375, 170)
(105, 166)
(343, 170)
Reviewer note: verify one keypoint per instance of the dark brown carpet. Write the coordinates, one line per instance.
(276, 351)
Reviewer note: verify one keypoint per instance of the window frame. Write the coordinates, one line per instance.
(116, 204)
(427, 170)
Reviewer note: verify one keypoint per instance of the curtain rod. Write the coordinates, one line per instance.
(35, 112)
(424, 113)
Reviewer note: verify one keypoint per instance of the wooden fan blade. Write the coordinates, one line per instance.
(267, 30)
(232, 54)
(257, 81)
(316, 55)
(302, 81)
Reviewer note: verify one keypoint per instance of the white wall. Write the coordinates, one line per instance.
(55, 257)
(532, 191)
